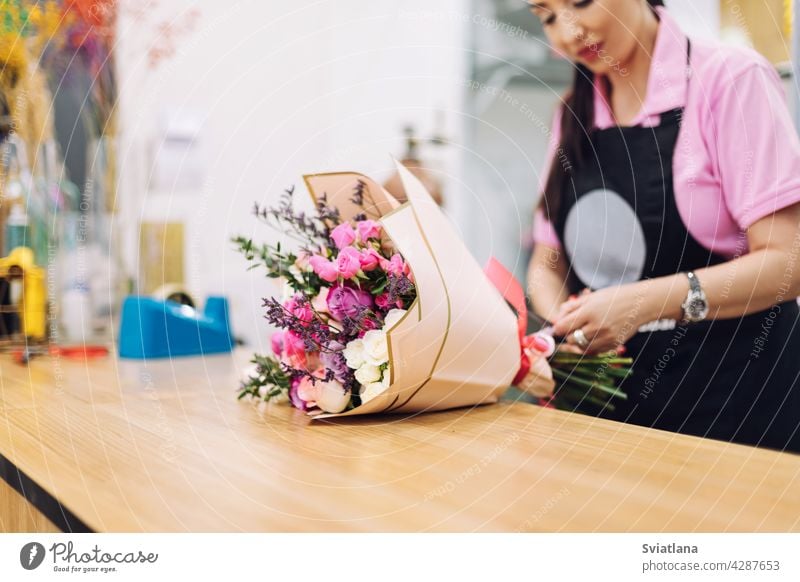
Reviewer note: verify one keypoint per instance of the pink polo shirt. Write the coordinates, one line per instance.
(737, 158)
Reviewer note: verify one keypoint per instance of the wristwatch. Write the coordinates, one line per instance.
(695, 307)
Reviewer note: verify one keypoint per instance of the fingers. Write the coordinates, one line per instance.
(569, 306)
(539, 380)
(572, 349)
(573, 303)
(564, 326)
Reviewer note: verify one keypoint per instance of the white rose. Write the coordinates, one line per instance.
(354, 354)
(332, 397)
(394, 316)
(367, 374)
(370, 391)
(295, 272)
(376, 348)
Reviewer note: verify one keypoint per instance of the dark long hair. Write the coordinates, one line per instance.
(577, 120)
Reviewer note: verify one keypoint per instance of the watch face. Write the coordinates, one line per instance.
(697, 308)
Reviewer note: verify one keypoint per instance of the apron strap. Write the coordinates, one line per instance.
(676, 115)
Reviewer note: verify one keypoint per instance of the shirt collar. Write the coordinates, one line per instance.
(667, 82)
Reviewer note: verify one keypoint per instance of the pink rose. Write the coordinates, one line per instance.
(300, 309)
(325, 269)
(348, 263)
(395, 265)
(277, 343)
(368, 229)
(367, 324)
(369, 259)
(348, 302)
(294, 350)
(343, 235)
(382, 301)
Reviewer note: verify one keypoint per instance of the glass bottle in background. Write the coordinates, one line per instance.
(100, 240)
(74, 275)
(16, 192)
(17, 225)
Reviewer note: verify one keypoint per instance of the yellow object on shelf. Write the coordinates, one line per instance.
(32, 307)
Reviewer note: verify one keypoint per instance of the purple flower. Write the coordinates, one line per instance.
(277, 343)
(294, 397)
(347, 302)
(333, 360)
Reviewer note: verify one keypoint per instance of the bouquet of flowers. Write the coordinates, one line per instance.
(385, 310)
(346, 288)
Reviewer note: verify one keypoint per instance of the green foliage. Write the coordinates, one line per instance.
(269, 375)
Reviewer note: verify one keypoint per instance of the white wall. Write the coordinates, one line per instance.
(698, 18)
(277, 89)
(281, 88)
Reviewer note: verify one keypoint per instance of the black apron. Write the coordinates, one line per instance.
(735, 379)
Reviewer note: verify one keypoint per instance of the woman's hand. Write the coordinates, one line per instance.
(539, 381)
(608, 317)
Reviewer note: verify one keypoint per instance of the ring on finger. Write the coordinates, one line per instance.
(580, 338)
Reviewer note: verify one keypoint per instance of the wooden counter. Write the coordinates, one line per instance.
(165, 446)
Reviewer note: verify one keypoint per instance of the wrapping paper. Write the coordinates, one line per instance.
(458, 343)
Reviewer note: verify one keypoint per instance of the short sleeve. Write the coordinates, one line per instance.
(756, 145)
(543, 231)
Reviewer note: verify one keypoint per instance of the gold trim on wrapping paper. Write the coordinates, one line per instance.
(417, 300)
(449, 314)
(395, 210)
(389, 336)
(389, 407)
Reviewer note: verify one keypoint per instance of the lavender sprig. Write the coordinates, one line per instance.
(316, 334)
(400, 287)
(297, 224)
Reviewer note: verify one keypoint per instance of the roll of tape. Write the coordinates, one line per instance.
(176, 293)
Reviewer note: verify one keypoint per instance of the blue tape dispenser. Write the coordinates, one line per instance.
(152, 328)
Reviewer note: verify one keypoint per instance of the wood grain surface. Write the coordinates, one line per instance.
(17, 515)
(165, 446)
